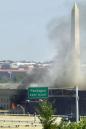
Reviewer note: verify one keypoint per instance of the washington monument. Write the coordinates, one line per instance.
(75, 44)
(75, 29)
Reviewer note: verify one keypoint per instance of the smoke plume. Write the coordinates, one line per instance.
(63, 73)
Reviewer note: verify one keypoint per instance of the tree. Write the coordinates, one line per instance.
(46, 113)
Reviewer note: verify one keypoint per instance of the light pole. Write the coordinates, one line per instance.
(10, 74)
(77, 105)
(26, 109)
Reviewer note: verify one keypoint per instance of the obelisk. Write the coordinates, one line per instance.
(75, 29)
(75, 44)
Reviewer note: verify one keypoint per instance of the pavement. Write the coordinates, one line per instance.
(21, 122)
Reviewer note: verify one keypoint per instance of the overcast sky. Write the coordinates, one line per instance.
(24, 28)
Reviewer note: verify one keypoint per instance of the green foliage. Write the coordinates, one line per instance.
(72, 125)
(46, 112)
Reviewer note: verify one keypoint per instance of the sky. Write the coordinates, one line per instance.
(24, 28)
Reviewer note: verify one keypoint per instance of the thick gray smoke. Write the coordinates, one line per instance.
(62, 73)
(59, 34)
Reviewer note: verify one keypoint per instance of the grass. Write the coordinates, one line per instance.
(19, 122)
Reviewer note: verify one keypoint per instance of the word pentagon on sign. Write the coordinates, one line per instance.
(38, 92)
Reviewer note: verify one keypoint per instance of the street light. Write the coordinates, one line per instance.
(77, 105)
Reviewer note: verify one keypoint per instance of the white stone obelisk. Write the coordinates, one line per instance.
(75, 44)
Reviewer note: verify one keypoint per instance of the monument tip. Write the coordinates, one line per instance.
(75, 5)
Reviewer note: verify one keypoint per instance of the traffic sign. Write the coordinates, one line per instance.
(38, 92)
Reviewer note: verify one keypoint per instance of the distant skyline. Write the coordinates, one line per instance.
(24, 28)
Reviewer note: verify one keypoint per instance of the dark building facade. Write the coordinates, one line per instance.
(63, 100)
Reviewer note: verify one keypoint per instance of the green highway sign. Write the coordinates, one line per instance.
(38, 92)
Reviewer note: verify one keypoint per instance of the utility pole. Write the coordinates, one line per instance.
(77, 105)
